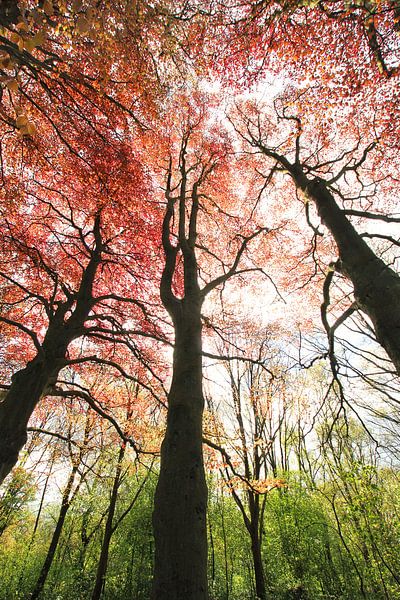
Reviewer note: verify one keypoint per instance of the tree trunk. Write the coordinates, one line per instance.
(179, 517)
(180, 504)
(65, 504)
(26, 389)
(258, 565)
(253, 527)
(29, 384)
(376, 285)
(108, 530)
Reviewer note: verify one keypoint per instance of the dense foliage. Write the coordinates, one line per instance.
(330, 531)
(199, 299)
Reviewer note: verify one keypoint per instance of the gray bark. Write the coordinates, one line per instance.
(180, 505)
(376, 285)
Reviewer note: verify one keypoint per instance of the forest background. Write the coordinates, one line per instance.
(199, 300)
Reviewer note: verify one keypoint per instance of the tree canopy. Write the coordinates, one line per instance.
(190, 189)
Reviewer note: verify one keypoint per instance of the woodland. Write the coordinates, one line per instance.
(199, 299)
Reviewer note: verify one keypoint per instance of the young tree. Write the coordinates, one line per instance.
(257, 421)
(79, 469)
(113, 520)
(13, 500)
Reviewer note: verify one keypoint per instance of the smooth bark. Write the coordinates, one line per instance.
(259, 574)
(376, 285)
(26, 389)
(180, 504)
(179, 517)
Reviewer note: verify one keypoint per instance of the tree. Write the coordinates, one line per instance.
(197, 181)
(357, 41)
(15, 497)
(112, 522)
(257, 412)
(70, 491)
(100, 102)
(321, 179)
(73, 280)
(45, 44)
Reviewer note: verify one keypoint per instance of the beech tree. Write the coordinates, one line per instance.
(344, 47)
(197, 183)
(325, 181)
(65, 276)
(94, 114)
(56, 59)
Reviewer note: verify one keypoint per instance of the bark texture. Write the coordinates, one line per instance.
(27, 387)
(180, 505)
(179, 517)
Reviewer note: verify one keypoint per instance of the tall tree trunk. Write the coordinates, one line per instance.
(42, 497)
(180, 503)
(179, 517)
(376, 285)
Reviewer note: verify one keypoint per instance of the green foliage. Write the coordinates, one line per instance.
(332, 538)
(14, 499)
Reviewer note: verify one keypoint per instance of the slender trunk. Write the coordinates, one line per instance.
(253, 527)
(37, 520)
(179, 517)
(226, 562)
(212, 549)
(376, 285)
(39, 512)
(108, 530)
(259, 575)
(65, 504)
